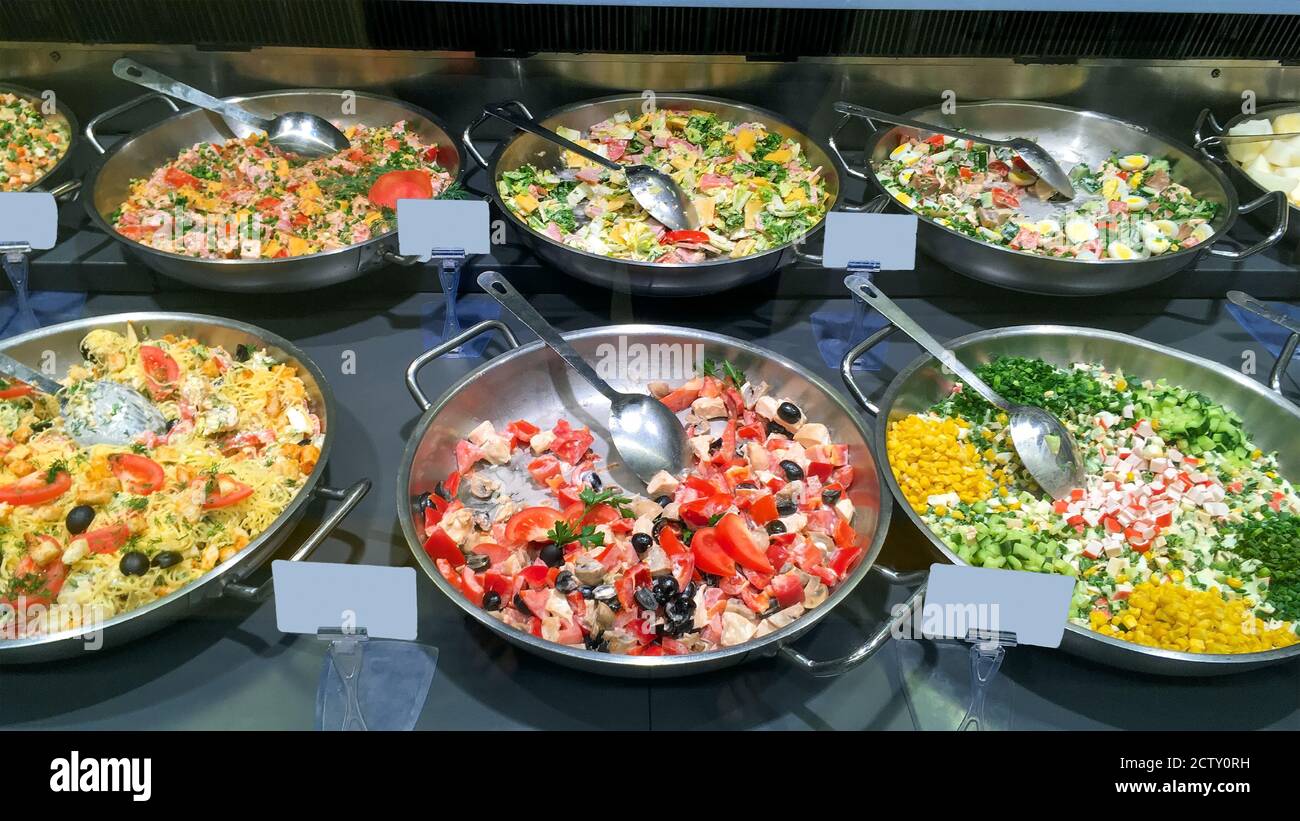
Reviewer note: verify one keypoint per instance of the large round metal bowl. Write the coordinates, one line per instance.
(61, 342)
(1207, 127)
(1072, 136)
(1270, 418)
(58, 180)
(531, 382)
(664, 279)
(140, 154)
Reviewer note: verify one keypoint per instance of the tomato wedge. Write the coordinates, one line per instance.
(400, 185)
(739, 545)
(36, 488)
(689, 237)
(440, 546)
(709, 555)
(138, 474)
(223, 491)
(160, 370)
(531, 524)
(33, 584)
(13, 389)
(107, 539)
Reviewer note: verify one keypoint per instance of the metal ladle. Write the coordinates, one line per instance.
(1035, 156)
(647, 435)
(102, 412)
(296, 132)
(655, 191)
(1046, 448)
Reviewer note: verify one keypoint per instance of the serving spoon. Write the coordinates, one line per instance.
(647, 435)
(655, 191)
(296, 132)
(101, 412)
(1035, 156)
(1045, 446)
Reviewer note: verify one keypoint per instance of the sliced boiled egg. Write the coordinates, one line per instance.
(1080, 231)
(1133, 162)
(903, 150)
(1157, 244)
(1048, 227)
(905, 177)
(1135, 203)
(1202, 232)
(1113, 188)
(1167, 227)
(1118, 250)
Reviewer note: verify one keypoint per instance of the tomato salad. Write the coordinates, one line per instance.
(756, 534)
(244, 199)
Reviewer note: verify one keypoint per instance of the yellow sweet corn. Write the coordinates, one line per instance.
(930, 459)
(1174, 617)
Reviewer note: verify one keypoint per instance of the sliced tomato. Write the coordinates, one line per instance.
(431, 154)
(700, 512)
(739, 545)
(223, 491)
(268, 203)
(138, 474)
(36, 488)
(160, 370)
(1005, 199)
(601, 514)
(536, 601)
(442, 547)
(683, 569)
(733, 585)
(448, 572)
(177, 178)
(400, 185)
(843, 560)
(531, 524)
(671, 542)
(756, 601)
(543, 468)
(36, 585)
(688, 237)
(300, 220)
(680, 399)
(499, 583)
(472, 586)
(13, 389)
(522, 431)
(845, 536)
(107, 539)
(764, 510)
(998, 167)
(708, 553)
(571, 444)
(495, 552)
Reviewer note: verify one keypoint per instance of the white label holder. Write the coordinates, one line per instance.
(28, 221)
(448, 232)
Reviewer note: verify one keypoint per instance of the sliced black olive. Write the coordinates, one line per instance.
(830, 495)
(521, 606)
(552, 554)
(605, 593)
(599, 645)
(775, 428)
(134, 563)
(167, 558)
(663, 501)
(242, 353)
(646, 598)
(678, 609)
(85, 352)
(79, 519)
(665, 588)
(774, 527)
(442, 491)
(477, 562)
(566, 582)
(492, 600)
(792, 470)
(171, 423)
(787, 507)
(642, 542)
(715, 445)
(658, 525)
(422, 502)
(789, 412)
(594, 480)
(304, 441)
(746, 486)
(588, 592)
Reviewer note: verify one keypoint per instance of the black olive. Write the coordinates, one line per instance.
(422, 502)
(167, 558)
(552, 554)
(134, 563)
(746, 486)
(715, 445)
(442, 491)
(678, 609)
(830, 495)
(663, 501)
(689, 593)
(646, 598)
(79, 518)
(659, 524)
(787, 507)
(171, 423)
(792, 470)
(642, 542)
(665, 587)
(521, 606)
(789, 412)
(774, 527)
(492, 600)
(477, 562)
(614, 605)
(597, 644)
(566, 582)
(304, 441)
(588, 592)
(242, 353)
(776, 428)
(594, 480)
(604, 592)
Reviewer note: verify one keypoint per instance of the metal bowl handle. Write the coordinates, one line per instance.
(835, 148)
(467, 138)
(877, 640)
(1283, 207)
(854, 353)
(349, 498)
(99, 119)
(1201, 141)
(1247, 302)
(873, 206)
(413, 369)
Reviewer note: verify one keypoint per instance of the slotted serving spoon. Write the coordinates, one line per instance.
(1045, 446)
(1035, 156)
(102, 412)
(296, 132)
(647, 435)
(655, 191)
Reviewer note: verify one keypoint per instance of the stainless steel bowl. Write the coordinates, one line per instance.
(1072, 136)
(530, 382)
(140, 154)
(1208, 127)
(1271, 419)
(58, 180)
(61, 342)
(664, 279)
